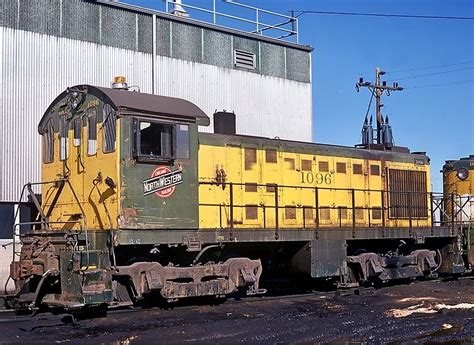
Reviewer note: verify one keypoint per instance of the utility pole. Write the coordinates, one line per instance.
(378, 89)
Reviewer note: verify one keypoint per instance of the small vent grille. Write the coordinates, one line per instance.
(244, 59)
(407, 194)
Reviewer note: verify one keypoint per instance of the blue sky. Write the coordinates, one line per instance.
(438, 120)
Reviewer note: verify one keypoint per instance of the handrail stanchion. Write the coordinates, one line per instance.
(277, 225)
(316, 206)
(410, 220)
(382, 203)
(432, 213)
(353, 213)
(452, 214)
(231, 211)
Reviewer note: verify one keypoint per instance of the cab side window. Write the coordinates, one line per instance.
(109, 129)
(182, 141)
(48, 142)
(63, 137)
(156, 139)
(159, 141)
(91, 116)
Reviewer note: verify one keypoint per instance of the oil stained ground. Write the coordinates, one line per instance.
(373, 318)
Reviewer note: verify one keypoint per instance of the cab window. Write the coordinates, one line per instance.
(48, 142)
(63, 137)
(109, 129)
(156, 139)
(91, 115)
(77, 124)
(159, 141)
(182, 141)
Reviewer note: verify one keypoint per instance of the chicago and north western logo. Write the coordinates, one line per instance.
(163, 182)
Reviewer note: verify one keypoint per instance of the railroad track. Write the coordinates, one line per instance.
(36, 320)
(29, 322)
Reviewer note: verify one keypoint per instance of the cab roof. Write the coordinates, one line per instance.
(128, 101)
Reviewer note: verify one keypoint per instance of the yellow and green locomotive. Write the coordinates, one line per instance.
(137, 202)
(458, 187)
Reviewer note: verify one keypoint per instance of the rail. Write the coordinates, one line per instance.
(361, 208)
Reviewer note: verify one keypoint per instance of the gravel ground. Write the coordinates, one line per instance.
(421, 312)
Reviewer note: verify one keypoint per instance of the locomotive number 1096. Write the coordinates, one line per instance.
(316, 178)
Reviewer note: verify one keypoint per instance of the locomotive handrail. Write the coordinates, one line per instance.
(410, 209)
(45, 222)
(214, 183)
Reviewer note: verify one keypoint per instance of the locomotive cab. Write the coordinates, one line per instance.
(112, 148)
(112, 160)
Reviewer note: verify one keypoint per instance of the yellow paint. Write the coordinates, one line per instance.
(86, 175)
(462, 193)
(304, 171)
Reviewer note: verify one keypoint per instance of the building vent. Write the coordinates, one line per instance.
(244, 59)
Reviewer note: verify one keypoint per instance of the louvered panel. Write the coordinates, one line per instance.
(244, 59)
(407, 194)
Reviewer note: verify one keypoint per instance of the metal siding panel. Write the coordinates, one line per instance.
(81, 20)
(119, 28)
(298, 65)
(41, 16)
(163, 37)
(186, 42)
(35, 68)
(217, 48)
(2, 110)
(9, 13)
(272, 60)
(145, 34)
(264, 106)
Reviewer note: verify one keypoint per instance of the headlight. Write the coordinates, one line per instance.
(463, 174)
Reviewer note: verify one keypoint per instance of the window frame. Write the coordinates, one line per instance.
(63, 137)
(48, 138)
(104, 127)
(88, 115)
(77, 129)
(146, 158)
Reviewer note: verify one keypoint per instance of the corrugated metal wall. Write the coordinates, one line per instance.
(36, 67)
(264, 106)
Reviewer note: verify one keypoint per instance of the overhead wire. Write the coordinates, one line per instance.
(429, 67)
(441, 84)
(434, 73)
(301, 12)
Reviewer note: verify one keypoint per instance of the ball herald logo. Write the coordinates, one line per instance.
(163, 182)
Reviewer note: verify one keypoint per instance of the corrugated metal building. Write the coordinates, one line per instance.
(48, 45)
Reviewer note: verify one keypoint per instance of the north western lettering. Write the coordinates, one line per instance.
(161, 182)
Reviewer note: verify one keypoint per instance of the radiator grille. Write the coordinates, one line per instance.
(407, 194)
